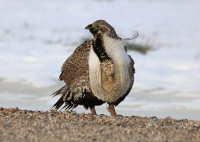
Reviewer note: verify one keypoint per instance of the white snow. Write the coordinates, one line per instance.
(36, 37)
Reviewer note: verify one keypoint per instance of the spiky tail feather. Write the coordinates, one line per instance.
(62, 91)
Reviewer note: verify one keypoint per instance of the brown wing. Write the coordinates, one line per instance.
(131, 72)
(75, 73)
(77, 63)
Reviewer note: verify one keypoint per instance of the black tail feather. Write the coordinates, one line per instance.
(59, 103)
(64, 90)
(64, 107)
(69, 107)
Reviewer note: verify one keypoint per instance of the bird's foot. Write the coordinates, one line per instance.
(93, 111)
(111, 109)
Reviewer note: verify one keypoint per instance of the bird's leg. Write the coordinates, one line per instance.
(93, 111)
(111, 109)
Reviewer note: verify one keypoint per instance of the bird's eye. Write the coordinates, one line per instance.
(94, 25)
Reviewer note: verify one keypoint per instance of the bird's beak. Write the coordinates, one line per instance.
(88, 27)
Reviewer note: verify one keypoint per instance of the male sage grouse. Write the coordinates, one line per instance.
(99, 71)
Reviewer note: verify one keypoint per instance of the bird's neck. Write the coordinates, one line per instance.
(99, 48)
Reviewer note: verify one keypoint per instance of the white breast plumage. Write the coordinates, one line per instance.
(121, 61)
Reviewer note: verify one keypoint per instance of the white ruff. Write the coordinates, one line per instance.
(121, 60)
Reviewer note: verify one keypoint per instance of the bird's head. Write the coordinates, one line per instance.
(101, 26)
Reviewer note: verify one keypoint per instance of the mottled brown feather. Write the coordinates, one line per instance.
(76, 64)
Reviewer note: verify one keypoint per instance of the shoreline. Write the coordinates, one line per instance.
(22, 125)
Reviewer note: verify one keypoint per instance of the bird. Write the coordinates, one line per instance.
(98, 71)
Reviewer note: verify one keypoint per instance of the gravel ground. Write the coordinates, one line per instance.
(22, 125)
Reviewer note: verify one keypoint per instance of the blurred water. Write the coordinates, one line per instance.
(36, 37)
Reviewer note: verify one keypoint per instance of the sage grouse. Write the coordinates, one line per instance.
(98, 71)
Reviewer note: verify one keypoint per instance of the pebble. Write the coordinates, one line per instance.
(29, 117)
(118, 124)
(150, 124)
(143, 120)
(82, 114)
(17, 115)
(147, 127)
(168, 119)
(12, 110)
(52, 110)
(128, 130)
(16, 109)
(45, 126)
(26, 123)
(1, 108)
(65, 112)
(73, 113)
